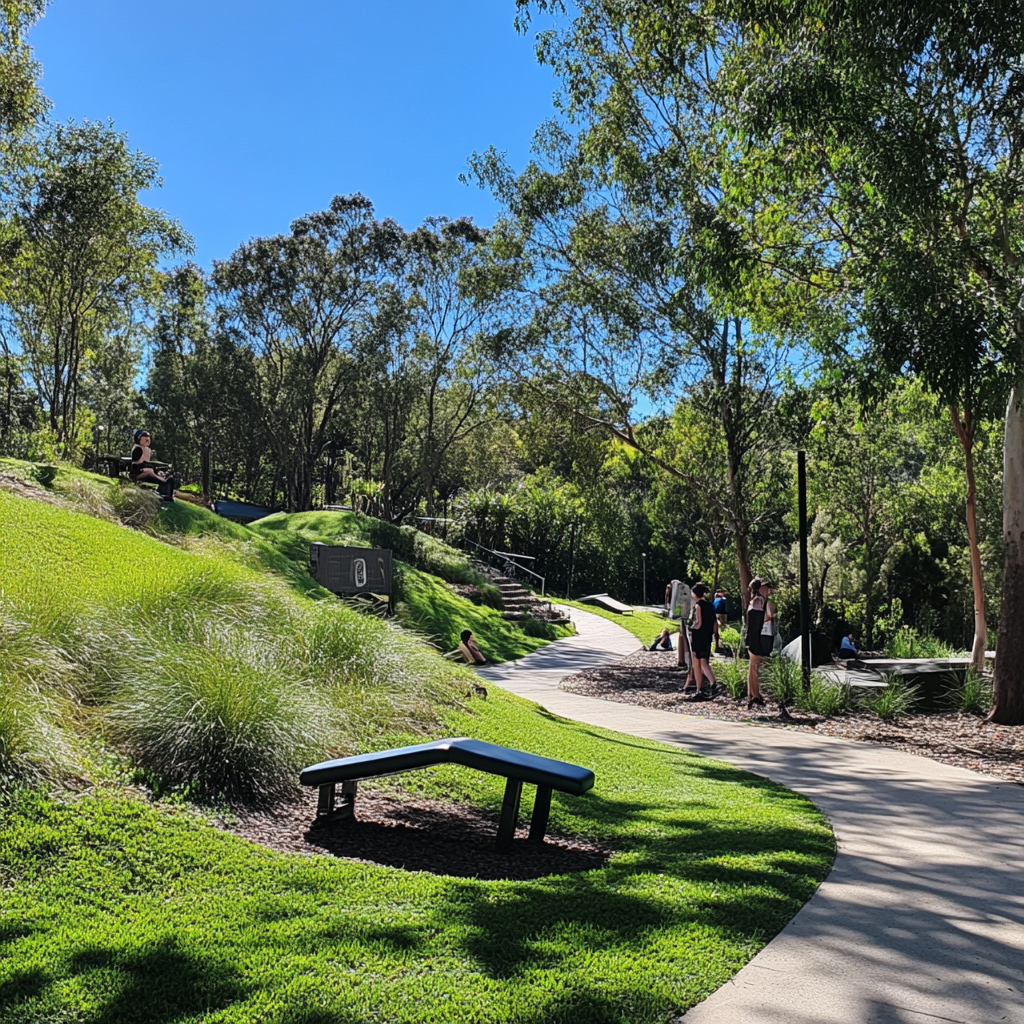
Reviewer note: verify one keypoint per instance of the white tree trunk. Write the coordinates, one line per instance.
(1009, 675)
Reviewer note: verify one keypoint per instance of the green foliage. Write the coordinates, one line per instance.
(971, 693)
(44, 474)
(782, 679)
(731, 638)
(732, 675)
(827, 696)
(535, 627)
(116, 909)
(895, 699)
(906, 642)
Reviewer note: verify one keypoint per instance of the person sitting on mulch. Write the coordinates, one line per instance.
(140, 471)
(470, 651)
(664, 641)
(848, 649)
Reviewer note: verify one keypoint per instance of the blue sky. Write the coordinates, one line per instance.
(259, 112)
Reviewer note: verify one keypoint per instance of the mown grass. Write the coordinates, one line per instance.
(279, 545)
(118, 910)
(214, 678)
(645, 626)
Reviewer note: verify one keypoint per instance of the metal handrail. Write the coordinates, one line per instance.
(509, 557)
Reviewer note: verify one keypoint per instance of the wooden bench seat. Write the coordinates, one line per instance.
(517, 766)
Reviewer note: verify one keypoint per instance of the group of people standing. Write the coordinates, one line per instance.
(705, 631)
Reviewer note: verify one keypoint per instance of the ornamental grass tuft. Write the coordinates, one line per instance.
(35, 684)
(897, 698)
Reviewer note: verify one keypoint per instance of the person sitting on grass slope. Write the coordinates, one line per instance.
(663, 641)
(470, 651)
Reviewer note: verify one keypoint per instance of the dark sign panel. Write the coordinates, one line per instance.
(351, 570)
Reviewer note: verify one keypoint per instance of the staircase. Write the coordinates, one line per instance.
(514, 596)
(518, 601)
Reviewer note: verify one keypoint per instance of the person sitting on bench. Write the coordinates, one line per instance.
(140, 471)
(470, 651)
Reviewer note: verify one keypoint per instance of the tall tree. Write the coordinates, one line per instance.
(901, 129)
(645, 290)
(453, 326)
(200, 383)
(87, 260)
(300, 302)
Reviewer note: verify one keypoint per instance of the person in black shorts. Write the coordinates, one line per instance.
(760, 635)
(140, 470)
(702, 634)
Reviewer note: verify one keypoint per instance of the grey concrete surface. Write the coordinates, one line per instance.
(922, 916)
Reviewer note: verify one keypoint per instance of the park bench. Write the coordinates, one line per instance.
(516, 766)
(607, 602)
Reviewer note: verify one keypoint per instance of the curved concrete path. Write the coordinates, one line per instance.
(922, 917)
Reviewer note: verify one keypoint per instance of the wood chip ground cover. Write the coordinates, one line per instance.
(652, 679)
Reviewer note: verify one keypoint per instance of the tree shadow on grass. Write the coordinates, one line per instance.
(158, 983)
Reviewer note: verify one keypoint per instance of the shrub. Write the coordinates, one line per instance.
(733, 676)
(895, 699)
(906, 642)
(134, 506)
(207, 703)
(34, 684)
(534, 627)
(972, 694)
(827, 696)
(782, 679)
(731, 638)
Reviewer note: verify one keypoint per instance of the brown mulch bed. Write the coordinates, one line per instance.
(653, 680)
(418, 834)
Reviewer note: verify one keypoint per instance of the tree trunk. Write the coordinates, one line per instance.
(1008, 708)
(965, 432)
(204, 468)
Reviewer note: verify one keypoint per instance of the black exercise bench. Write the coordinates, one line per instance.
(515, 765)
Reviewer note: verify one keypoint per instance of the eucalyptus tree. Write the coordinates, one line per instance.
(87, 261)
(200, 382)
(900, 129)
(454, 327)
(643, 290)
(301, 303)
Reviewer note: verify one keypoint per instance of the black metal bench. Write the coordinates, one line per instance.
(517, 766)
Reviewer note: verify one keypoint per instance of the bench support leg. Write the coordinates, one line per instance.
(325, 809)
(509, 813)
(541, 810)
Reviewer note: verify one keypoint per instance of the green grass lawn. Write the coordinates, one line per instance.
(118, 910)
(134, 663)
(80, 559)
(645, 626)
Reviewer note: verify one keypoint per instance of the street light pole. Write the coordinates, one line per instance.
(643, 554)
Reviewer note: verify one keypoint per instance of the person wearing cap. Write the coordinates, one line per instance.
(760, 635)
(141, 472)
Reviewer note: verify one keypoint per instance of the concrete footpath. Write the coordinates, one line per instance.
(922, 917)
